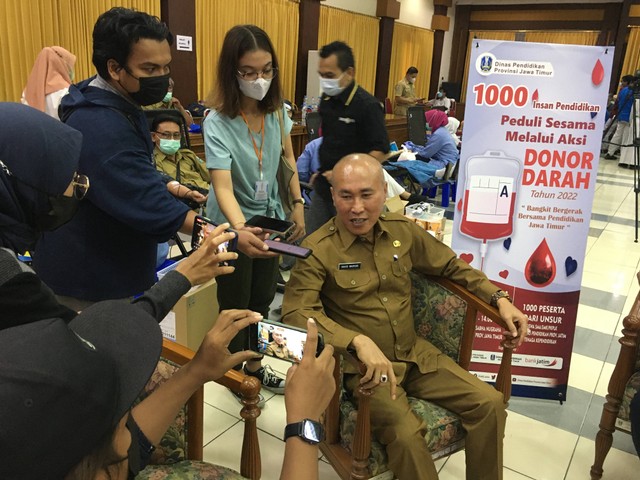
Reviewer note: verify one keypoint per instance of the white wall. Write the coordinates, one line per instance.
(368, 7)
(416, 12)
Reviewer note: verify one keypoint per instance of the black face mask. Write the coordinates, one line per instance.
(62, 210)
(152, 89)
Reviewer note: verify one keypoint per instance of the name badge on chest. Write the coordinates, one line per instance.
(349, 266)
(262, 190)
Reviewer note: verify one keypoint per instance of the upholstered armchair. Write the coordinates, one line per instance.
(179, 455)
(624, 383)
(445, 314)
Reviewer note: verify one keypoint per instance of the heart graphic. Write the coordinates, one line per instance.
(467, 257)
(507, 243)
(504, 273)
(570, 266)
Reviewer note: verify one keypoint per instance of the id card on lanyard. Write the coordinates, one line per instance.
(261, 191)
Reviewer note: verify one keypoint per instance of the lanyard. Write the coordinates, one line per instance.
(255, 147)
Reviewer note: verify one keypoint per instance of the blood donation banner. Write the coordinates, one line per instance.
(530, 148)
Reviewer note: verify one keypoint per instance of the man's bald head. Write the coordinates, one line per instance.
(359, 192)
(360, 162)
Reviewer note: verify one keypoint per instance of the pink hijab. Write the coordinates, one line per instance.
(436, 119)
(50, 73)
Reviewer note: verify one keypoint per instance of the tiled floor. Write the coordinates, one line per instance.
(544, 440)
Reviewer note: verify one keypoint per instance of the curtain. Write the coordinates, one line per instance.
(481, 35)
(358, 31)
(632, 56)
(563, 37)
(279, 18)
(412, 46)
(28, 27)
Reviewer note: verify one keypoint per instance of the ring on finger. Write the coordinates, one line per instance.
(383, 378)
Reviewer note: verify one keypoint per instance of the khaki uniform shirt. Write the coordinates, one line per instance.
(280, 351)
(192, 169)
(406, 90)
(352, 286)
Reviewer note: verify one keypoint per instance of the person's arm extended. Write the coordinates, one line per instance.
(378, 155)
(199, 267)
(248, 242)
(154, 414)
(309, 388)
(302, 301)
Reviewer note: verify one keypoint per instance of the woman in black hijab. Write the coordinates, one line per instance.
(39, 190)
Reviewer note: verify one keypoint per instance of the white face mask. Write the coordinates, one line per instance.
(256, 89)
(331, 86)
(412, 80)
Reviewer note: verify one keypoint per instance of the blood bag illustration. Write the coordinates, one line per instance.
(489, 197)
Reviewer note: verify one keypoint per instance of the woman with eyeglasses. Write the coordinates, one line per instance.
(242, 137)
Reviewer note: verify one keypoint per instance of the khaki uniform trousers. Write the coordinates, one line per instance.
(480, 406)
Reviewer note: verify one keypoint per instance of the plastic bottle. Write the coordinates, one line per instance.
(304, 110)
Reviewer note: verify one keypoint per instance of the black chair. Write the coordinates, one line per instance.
(313, 125)
(416, 125)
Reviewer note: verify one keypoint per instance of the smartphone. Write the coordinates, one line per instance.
(201, 228)
(280, 341)
(272, 225)
(288, 248)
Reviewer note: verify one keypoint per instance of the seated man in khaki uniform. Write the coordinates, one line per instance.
(356, 285)
(278, 348)
(186, 175)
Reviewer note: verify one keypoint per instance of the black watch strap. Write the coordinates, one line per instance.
(308, 430)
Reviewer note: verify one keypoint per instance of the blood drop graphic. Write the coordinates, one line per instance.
(535, 95)
(597, 75)
(541, 266)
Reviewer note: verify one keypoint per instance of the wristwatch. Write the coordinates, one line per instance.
(308, 430)
(298, 200)
(498, 295)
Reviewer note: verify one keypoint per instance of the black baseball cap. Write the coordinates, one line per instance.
(64, 388)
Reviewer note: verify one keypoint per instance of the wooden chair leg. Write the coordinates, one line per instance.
(361, 447)
(604, 437)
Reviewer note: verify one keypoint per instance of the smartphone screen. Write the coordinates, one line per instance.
(289, 249)
(269, 224)
(280, 341)
(202, 226)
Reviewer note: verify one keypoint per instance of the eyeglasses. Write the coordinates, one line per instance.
(169, 135)
(80, 186)
(267, 74)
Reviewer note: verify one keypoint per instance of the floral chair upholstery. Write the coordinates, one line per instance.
(624, 383)
(179, 454)
(445, 314)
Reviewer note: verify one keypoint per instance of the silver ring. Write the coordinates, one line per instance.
(383, 378)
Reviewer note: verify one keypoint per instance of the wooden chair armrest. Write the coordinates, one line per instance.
(476, 305)
(248, 387)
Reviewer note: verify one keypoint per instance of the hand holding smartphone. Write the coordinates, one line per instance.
(271, 225)
(280, 341)
(202, 226)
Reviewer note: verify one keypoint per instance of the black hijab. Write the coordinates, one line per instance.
(40, 156)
